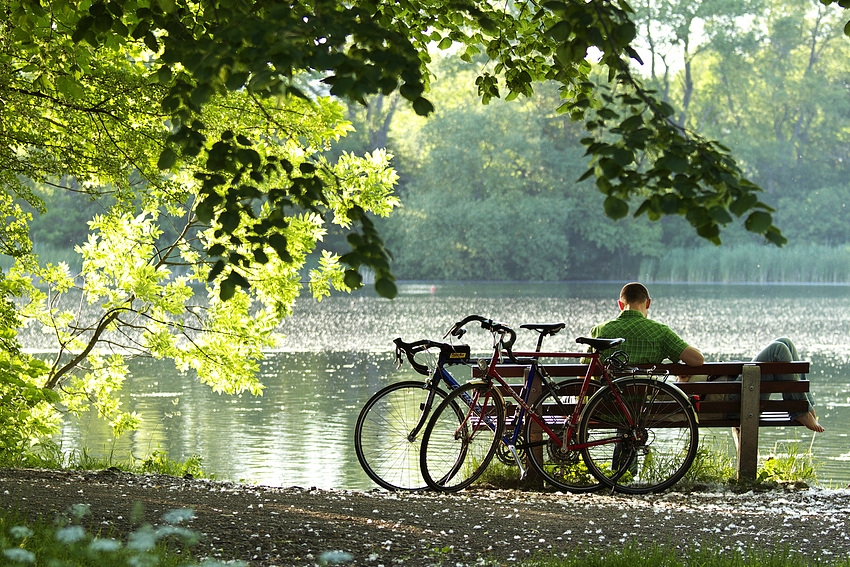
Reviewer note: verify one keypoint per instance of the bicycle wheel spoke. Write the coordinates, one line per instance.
(461, 437)
(382, 435)
(648, 453)
(559, 466)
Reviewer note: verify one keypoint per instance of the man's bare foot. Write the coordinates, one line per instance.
(810, 421)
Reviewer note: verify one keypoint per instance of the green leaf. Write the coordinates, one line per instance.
(720, 215)
(710, 232)
(260, 256)
(151, 42)
(743, 204)
(69, 87)
(385, 287)
(616, 208)
(228, 290)
(675, 163)
(623, 157)
(167, 159)
(164, 75)
(353, 279)
(758, 222)
(229, 220)
(586, 175)
(422, 106)
(773, 235)
(280, 245)
(561, 31)
(83, 26)
(205, 209)
(670, 203)
(217, 268)
(236, 81)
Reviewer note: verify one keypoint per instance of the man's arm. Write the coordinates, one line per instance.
(692, 357)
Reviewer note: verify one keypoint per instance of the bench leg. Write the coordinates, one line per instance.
(533, 479)
(748, 441)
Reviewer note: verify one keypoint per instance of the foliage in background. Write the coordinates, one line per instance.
(512, 170)
(713, 465)
(140, 77)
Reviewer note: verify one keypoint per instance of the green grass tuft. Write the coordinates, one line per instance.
(51, 456)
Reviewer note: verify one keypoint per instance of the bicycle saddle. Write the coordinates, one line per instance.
(550, 328)
(600, 344)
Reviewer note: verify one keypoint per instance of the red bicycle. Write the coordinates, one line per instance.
(629, 429)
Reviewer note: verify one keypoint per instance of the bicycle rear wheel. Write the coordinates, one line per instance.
(652, 454)
(562, 468)
(384, 438)
(461, 437)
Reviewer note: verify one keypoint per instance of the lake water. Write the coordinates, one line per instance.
(339, 351)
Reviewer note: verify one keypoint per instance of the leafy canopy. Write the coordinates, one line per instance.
(174, 58)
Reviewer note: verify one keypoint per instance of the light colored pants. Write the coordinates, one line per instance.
(782, 350)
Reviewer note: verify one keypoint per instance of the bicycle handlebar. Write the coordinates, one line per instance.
(449, 354)
(458, 330)
(410, 349)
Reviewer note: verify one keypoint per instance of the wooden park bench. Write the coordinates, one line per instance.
(720, 403)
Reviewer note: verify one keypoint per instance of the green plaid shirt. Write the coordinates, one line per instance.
(647, 341)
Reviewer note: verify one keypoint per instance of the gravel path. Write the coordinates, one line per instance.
(268, 526)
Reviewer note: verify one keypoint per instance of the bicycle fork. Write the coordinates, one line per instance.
(425, 412)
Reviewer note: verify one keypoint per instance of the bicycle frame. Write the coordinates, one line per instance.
(594, 367)
(440, 374)
(509, 440)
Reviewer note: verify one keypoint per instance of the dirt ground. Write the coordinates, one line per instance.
(266, 526)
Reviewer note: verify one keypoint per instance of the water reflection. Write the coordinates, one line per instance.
(339, 351)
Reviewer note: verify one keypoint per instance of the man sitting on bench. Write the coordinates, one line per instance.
(650, 342)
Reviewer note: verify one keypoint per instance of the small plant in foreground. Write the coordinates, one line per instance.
(68, 543)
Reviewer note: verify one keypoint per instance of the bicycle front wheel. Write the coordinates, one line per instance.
(559, 466)
(388, 434)
(461, 437)
(650, 449)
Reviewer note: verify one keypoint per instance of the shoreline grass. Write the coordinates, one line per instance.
(51, 456)
(750, 263)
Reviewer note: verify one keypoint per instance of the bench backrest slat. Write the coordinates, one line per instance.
(709, 368)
